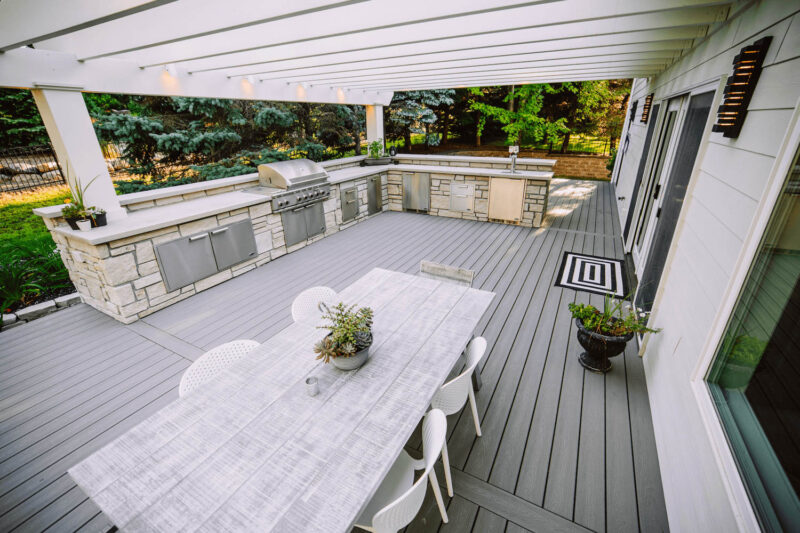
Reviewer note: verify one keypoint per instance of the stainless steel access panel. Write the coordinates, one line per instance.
(462, 196)
(349, 204)
(233, 243)
(189, 259)
(303, 222)
(417, 191)
(186, 260)
(374, 195)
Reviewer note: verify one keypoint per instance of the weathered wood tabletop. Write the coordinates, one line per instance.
(253, 451)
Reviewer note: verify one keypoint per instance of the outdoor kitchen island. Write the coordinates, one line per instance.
(178, 241)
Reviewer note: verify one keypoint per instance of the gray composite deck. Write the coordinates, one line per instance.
(562, 449)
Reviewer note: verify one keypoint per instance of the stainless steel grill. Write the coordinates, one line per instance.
(305, 183)
(307, 186)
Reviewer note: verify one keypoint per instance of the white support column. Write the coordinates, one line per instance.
(375, 123)
(69, 126)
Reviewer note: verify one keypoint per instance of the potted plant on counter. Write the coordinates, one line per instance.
(72, 213)
(604, 334)
(376, 154)
(98, 216)
(76, 211)
(350, 335)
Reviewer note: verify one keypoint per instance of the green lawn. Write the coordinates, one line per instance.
(30, 268)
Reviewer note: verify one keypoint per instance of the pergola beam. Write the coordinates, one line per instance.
(32, 69)
(31, 21)
(483, 31)
(545, 58)
(591, 62)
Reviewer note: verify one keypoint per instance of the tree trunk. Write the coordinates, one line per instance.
(407, 139)
(612, 143)
(565, 144)
(427, 135)
(445, 129)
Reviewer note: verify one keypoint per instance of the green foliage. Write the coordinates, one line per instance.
(29, 269)
(612, 320)
(350, 331)
(376, 148)
(746, 351)
(522, 116)
(611, 161)
(416, 112)
(20, 123)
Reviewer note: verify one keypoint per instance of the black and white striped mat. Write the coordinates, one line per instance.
(598, 275)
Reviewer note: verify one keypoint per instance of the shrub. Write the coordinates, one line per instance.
(30, 270)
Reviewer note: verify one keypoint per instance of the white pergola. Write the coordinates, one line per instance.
(349, 52)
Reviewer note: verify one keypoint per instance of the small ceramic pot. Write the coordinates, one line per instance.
(84, 225)
(73, 222)
(351, 363)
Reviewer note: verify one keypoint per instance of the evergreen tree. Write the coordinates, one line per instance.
(20, 123)
(413, 112)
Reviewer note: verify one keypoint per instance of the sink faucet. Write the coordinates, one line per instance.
(512, 153)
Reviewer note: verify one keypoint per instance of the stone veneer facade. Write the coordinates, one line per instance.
(122, 279)
(534, 207)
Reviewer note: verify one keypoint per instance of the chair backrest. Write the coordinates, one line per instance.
(305, 307)
(453, 394)
(402, 511)
(462, 276)
(213, 362)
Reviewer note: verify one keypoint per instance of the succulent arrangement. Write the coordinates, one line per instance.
(350, 331)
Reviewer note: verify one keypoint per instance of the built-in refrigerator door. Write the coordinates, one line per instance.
(185, 260)
(374, 195)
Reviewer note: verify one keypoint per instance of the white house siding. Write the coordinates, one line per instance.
(718, 210)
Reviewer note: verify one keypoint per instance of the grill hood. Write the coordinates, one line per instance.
(292, 174)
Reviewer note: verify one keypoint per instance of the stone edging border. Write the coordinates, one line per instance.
(32, 312)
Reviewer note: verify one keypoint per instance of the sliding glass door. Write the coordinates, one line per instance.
(755, 379)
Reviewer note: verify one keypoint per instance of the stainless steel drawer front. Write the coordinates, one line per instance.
(184, 261)
(233, 243)
(462, 197)
(349, 204)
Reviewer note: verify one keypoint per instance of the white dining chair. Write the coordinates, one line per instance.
(213, 362)
(306, 308)
(452, 396)
(398, 499)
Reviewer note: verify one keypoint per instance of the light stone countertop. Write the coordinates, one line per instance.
(154, 218)
(352, 173)
(476, 159)
(475, 171)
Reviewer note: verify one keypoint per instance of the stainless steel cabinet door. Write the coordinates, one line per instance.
(417, 191)
(349, 204)
(233, 243)
(374, 195)
(294, 226)
(184, 261)
(462, 196)
(315, 219)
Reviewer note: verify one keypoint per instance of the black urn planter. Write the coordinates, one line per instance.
(99, 220)
(599, 348)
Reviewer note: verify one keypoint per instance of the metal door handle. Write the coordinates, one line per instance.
(350, 201)
(298, 209)
(218, 231)
(198, 237)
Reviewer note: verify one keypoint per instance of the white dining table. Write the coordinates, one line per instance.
(252, 450)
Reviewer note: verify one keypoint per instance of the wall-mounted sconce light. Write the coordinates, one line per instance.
(740, 87)
(251, 79)
(170, 67)
(648, 103)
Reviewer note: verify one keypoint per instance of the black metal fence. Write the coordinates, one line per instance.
(28, 167)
